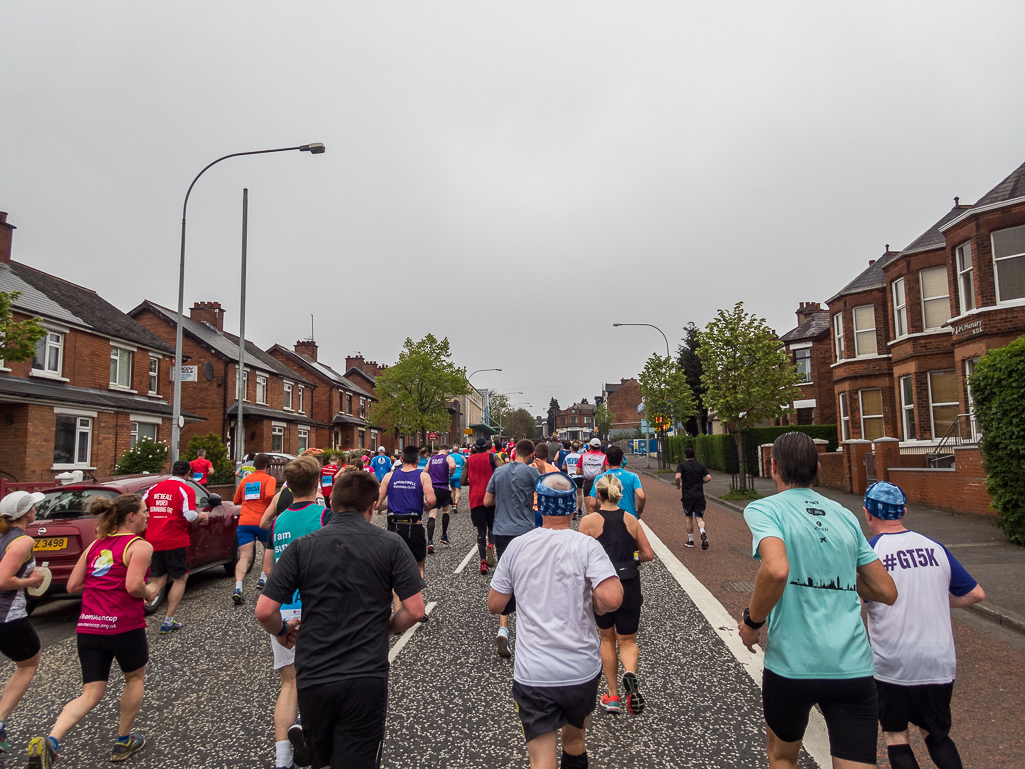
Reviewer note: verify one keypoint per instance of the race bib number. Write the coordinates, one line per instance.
(252, 491)
(197, 477)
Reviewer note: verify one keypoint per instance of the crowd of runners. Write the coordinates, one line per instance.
(333, 586)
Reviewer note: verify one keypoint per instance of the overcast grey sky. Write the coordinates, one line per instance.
(514, 176)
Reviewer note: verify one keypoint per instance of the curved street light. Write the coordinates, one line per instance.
(316, 148)
(478, 371)
(663, 333)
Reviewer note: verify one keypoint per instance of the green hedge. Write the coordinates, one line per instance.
(718, 452)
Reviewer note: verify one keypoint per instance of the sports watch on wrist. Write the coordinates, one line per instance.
(750, 622)
(284, 628)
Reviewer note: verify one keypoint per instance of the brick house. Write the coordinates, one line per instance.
(98, 382)
(338, 404)
(622, 400)
(276, 412)
(810, 347)
(576, 422)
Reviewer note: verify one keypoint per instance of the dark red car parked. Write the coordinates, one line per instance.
(64, 528)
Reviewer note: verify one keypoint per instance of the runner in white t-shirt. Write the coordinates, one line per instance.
(593, 463)
(558, 659)
(571, 466)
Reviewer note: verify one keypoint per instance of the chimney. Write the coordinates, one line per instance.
(356, 361)
(6, 235)
(307, 348)
(208, 312)
(805, 310)
(871, 262)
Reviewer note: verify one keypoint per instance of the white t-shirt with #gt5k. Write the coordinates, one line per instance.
(552, 573)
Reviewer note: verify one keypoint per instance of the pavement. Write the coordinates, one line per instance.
(975, 541)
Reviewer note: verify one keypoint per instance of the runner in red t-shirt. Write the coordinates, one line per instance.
(201, 468)
(172, 507)
(327, 480)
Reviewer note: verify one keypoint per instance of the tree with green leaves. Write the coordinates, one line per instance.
(747, 374)
(216, 453)
(996, 385)
(553, 413)
(687, 357)
(499, 408)
(603, 419)
(414, 394)
(667, 396)
(18, 339)
(521, 425)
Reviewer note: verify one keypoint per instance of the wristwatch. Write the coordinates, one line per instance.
(750, 622)
(284, 627)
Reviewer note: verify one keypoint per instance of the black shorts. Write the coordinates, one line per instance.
(579, 481)
(414, 536)
(694, 507)
(442, 497)
(850, 707)
(588, 484)
(343, 722)
(627, 617)
(544, 709)
(483, 516)
(169, 562)
(97, 652)
(18, 640)
(926, 706)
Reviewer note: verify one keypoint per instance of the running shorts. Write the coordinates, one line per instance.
(455, 483)
(926, 706)
(247, 534)
(544, 709)
(588, 484)
(18, 640)
(283, 656)
(694, 507)
(850, 707)
(579, 481)
(414, 536)
(169, 562)
(343, 722)
(97, 652)
(627, 618)
(442, 498)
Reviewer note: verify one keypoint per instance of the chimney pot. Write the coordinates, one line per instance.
(871, 262)
(6, 238)
(208, 312)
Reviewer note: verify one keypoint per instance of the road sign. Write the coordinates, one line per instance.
(467, 431)
(644, 425)
(189, 373)
(432, 436)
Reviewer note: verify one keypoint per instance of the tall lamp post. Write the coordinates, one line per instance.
(176, 426)
(647, 450)
(487, 398)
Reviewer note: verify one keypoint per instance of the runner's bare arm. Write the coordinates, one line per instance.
(771, 581)
(410, 612)
(876, 584)
(644, 551)
(639, 500)
(465, 479)
(138, 556)
(707, 478)
(268, 614)
(268, 514)
(497, 601)
(961, 601)
(489, 499)
(429, 498)
(18, 552)
(382, 495)
(608, 595)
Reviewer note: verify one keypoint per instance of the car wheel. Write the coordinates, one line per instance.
(229, 567)
(150, 607)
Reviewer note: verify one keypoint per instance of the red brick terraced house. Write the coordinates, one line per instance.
(622, 400)
(576, 422)
(99, 380)
(341, 406)
(811, 348)
(277, 409)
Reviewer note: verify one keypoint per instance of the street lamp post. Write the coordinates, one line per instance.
(176, 425)
(487, 397)
(647, 449)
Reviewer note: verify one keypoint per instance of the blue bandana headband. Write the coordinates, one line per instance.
(886, 501)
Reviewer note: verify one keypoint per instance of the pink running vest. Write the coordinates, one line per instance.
(107, 608)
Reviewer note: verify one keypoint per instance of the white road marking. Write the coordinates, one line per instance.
(466, 560)
(404, 638)
(816, 739)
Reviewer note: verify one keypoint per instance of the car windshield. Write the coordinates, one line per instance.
(72, 503)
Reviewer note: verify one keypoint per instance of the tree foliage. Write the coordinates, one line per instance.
(17, 339)
(690, 362)
(216, 453)
(499, 408)
(413, 395)
(520, 425)
(146, 456)
(603, 419)
(996, 386)
(667, 396)
(553, 413)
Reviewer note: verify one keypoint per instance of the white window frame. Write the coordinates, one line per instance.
(261, 382)
(48, 341)
(900, 309)
(933, 405)
(806, 350)
(135, 431)
(373, 440)
(860, 331)
(304, 439)
(277, 430)
(839, 350)
(245, 385)
(907, 410)
(287, 389)
(996, 267)
(119, 355)
(973, 421)
(302, 399)
(83, 426)
(965, 293)
(154, 375)
(944, 297)
(861, 409)
(348, 404)
(362, 408)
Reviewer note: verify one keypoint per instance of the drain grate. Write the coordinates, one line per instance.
(740, 587)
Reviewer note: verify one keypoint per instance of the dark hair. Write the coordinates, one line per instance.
(688, 452)
(525, 448)
(565, 445)
(260, 461)
(181, 467)
(410, 455)
(354, 492)
(797, 459)
(110, 515)
(541, 450)
(615, 455)
(302, 475)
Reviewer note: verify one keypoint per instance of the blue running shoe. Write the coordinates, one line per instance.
(123, 750)
(170, 627)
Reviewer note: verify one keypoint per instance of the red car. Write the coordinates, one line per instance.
(64, 528)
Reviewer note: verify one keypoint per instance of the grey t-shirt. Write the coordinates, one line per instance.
(345, 574)
(513, 487)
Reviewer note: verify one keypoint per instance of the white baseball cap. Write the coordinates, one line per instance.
(381, 449)
(18, 503)
(595, 442)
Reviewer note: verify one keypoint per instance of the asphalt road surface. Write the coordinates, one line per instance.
(210, 688)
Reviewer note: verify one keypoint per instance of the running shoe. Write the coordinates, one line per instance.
(237, 597)
(300, 753)
(610, 703)
(704, 540)
(484, 567)
(170, 627)
(260, 583)
(41, 754)
(690, 543)
(634, 700)
(444, 539)
(123, 750)
(430, 546)
(504, 645)
(4, 746)
(489, 556)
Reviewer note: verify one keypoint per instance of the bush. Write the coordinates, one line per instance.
(145, 457)
(224, 471)
(996, 388)
(719, 452)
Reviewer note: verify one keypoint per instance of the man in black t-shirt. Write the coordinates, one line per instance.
(692, 476)
(346, 572)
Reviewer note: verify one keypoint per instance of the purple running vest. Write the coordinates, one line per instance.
(437, 468)
(405, 494)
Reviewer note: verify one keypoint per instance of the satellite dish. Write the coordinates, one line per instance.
(208, 370)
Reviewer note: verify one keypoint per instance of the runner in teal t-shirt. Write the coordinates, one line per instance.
(630, 482)
(455, 482)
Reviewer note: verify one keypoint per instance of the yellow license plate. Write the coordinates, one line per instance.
(50, 543)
